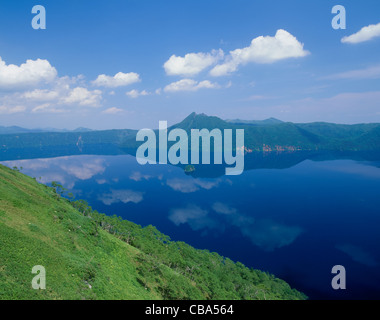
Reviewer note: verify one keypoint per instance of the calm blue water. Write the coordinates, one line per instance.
(296, 222)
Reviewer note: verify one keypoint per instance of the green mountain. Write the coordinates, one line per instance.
(201, 121)
(270, 135)
(275, 135)
(88, 255)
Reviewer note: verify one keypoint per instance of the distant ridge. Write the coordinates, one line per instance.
(265, 135)
(17, 130)
(269, 121)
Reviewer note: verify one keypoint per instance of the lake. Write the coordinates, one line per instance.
(288, 215)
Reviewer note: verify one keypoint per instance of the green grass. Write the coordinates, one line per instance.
(88, 255)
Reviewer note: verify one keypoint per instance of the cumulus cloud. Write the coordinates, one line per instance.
(83, 97)
(191, 185)
(267, 234)
(41, 95)
(120, 79)
(61, 93)
(66, 170)
(135, 93)
(52, 97)
(262, 50)
(232, 215)
(138, 176)
(82, 170)
(264, 233)
(101, 181)
(192, 63)
(123, 196)
(190, 85)
(196, 217)
(270, 235)
(223, 208)
(183, 215)
(182, 185)
(364, 34)
(30, 73)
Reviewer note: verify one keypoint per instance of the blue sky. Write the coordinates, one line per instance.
(175, 57)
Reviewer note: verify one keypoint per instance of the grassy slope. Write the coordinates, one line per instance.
(36, 229)
(92, 256)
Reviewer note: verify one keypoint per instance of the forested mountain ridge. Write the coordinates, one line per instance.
(271, 135)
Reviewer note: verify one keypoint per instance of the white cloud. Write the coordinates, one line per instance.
(196, 217)
(191, 185)
(112, 110)
(262, 50)
(364, 34)
(83, 170)
(11, 110)
(66, 170)
(135, 93)
(41, 95)
(47, 108)
(184, 186)
(264, 233)
(184, 215)
(83, 97)
(30, 73)
(223, 208)
(123, 196)
(41, 107)
(190, 85)
(138, 176)
(233, 216)
(118, 80)
(60, 93)
(270, 235)
(192, 63)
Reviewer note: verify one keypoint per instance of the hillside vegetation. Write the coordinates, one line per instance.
(88, 255)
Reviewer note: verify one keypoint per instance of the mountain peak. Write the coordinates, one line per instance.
(200, 121)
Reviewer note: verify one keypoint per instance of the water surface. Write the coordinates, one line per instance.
(296, 222)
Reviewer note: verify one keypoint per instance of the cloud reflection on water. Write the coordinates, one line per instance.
(264, 233)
